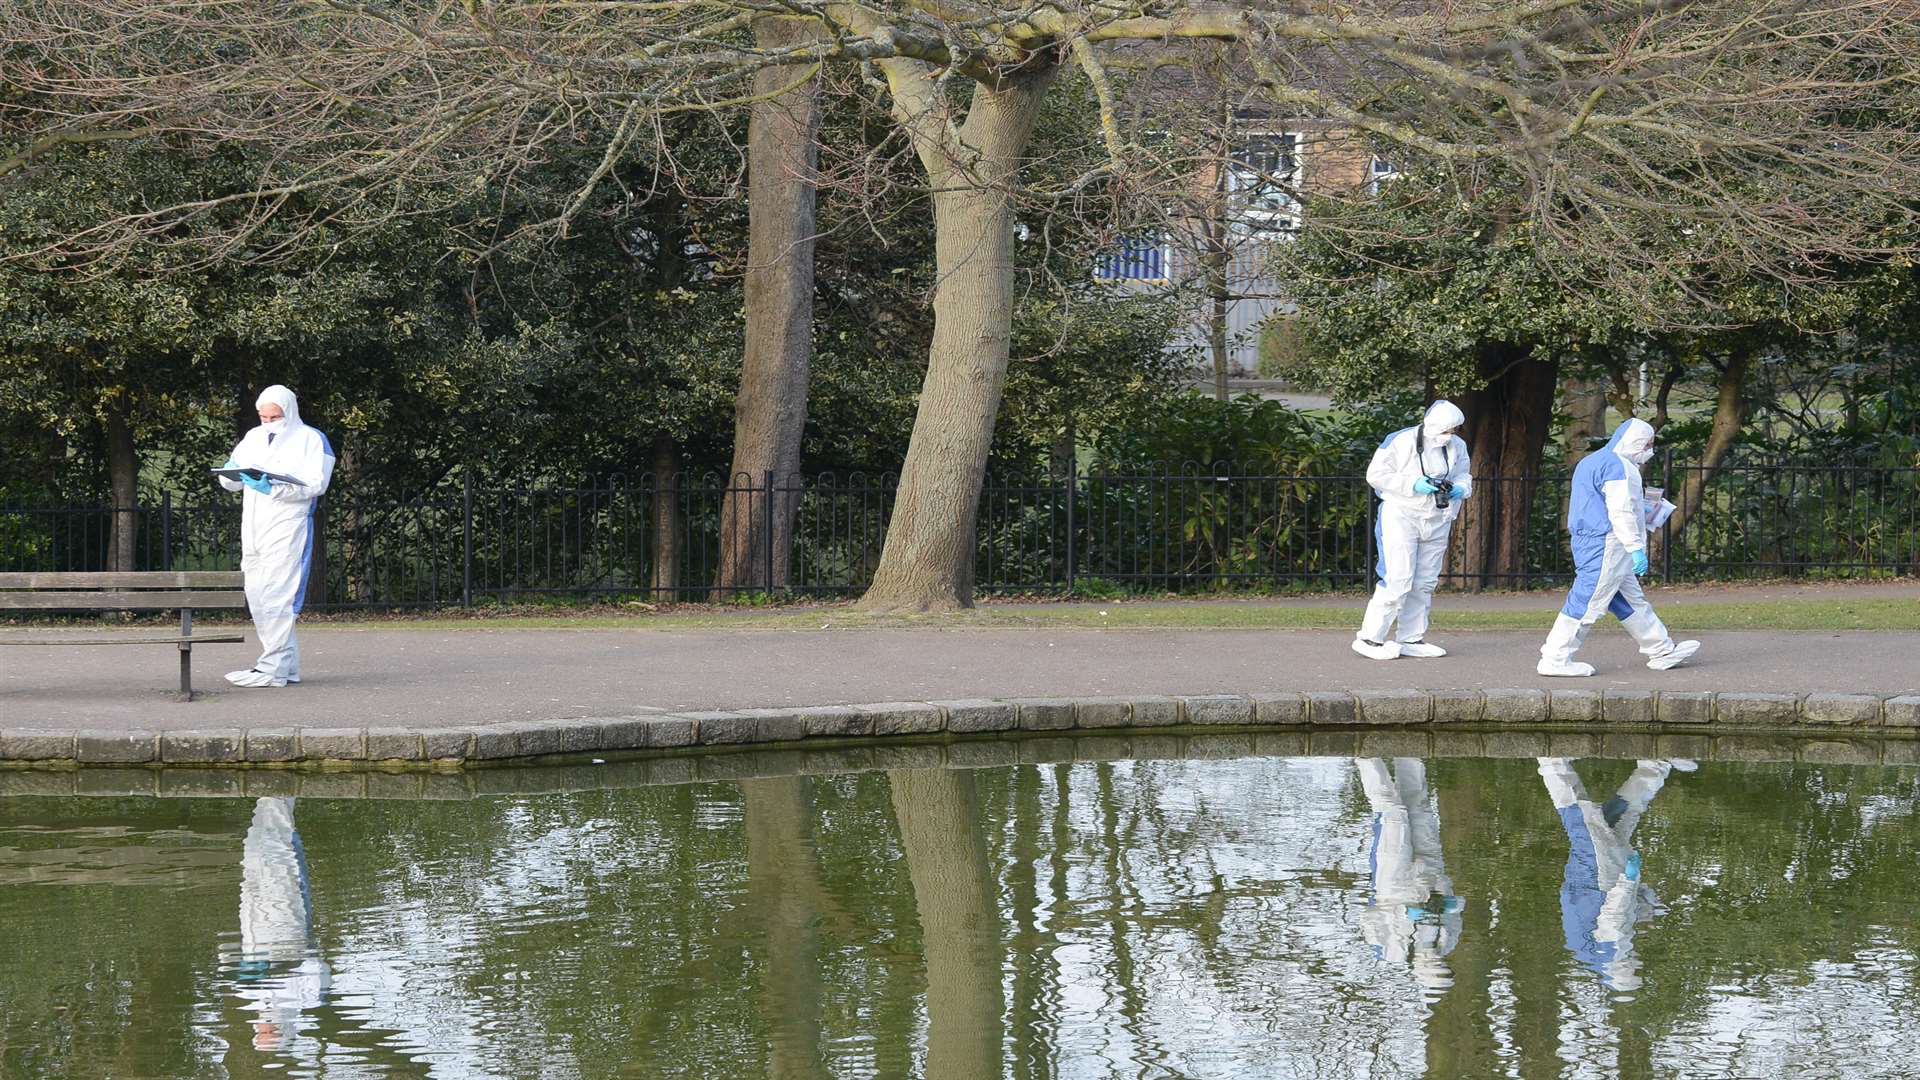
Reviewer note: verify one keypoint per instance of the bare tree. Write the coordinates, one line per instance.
(770, 414)
(1759, 131)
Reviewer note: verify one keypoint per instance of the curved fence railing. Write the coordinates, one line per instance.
(1188, 529)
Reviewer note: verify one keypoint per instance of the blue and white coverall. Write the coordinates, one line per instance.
(1602, 899)
(1605, 514)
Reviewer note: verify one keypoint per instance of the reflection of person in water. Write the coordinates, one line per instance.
(1601, 896)
(1414, 915)
(279, 973)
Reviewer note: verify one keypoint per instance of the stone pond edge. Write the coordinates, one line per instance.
(1796, 715)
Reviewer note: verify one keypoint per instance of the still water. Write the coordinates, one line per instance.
(1287, 917)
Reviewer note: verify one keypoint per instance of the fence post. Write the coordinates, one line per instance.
(1366, 566)
(166, 530)
(769, 532)
(1072, 480)
(466, 538)
(1666, 527)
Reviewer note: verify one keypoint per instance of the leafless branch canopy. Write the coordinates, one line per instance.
(1776, 134)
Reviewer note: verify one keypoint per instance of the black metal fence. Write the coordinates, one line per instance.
(1184, 530)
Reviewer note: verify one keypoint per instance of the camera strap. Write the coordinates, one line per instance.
(1420, 452)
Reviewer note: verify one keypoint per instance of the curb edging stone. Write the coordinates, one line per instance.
(1577, 722)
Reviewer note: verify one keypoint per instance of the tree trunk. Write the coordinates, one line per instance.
(353, 528)
(1217, 299)
(783, 885)
(1729, 416)
(927, 561)
(1507, 425)
(123, 477)
(1587, 401)
(953, 890)
(666, 518)
(771, 410)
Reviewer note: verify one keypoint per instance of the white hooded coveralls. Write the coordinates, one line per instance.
(1605, 517)
(1410, 531)
(280, 974)
(276, 527)
(1414, 916)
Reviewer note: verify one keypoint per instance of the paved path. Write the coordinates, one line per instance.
(421, 679)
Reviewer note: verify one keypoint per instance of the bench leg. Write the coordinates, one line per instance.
(186, 655)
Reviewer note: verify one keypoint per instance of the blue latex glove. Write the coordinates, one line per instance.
(1461, 494)
(263, 485)
(1633, 867)
(231, 464)
(1640, 561)
(1424, 486)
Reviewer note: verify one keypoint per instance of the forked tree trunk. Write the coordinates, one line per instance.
(953, 890)
(770, 412)
(1507, 425)
(666, 518)
(927, 561)
(1729, 415)
(123, 479)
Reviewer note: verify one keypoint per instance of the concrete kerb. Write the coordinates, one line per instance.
(1577, 720)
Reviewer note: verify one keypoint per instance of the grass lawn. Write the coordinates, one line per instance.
(1815, 614)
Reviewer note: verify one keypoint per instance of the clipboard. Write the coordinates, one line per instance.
(254, 474)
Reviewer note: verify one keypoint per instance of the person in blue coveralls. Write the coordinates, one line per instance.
(276, 529)
(1607, 519)
(1422, 476)
(1602, 899)
(1413, 917)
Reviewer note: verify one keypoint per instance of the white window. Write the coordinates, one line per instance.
(1137, 259)
(1262, 183)
(1379, 172)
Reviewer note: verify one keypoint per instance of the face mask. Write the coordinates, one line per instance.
(1642, 457)
(1437, 434)
(275, 427)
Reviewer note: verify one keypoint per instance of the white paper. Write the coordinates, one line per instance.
(1658, 513)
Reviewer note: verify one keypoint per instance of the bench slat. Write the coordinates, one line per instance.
(142, 579)
(106, 600)
(216, 638)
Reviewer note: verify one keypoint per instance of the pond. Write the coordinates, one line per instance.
(1253, 916)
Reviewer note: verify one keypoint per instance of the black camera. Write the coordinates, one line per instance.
(1442, 492)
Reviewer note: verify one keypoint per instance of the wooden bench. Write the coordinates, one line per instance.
(147, 591)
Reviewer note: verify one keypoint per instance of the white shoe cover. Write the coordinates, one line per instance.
(1421, 648)
(293, 678)
(1572, 668)
(1682, 652)
(1683, 764)
(257, 678)
(1386, 650)
(234, 677)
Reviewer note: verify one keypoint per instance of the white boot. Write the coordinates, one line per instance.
(1682, 652)
(1655, 643)
(1556, 656)
(1382, 650)
(1421, 648)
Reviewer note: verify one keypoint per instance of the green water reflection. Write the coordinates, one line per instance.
(1291, 917)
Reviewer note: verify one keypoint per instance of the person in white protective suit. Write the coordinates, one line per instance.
(1413, 917)
(1602, 899)
(1606, 518)
(279, 972)
(276, 529)
(1422, 476)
